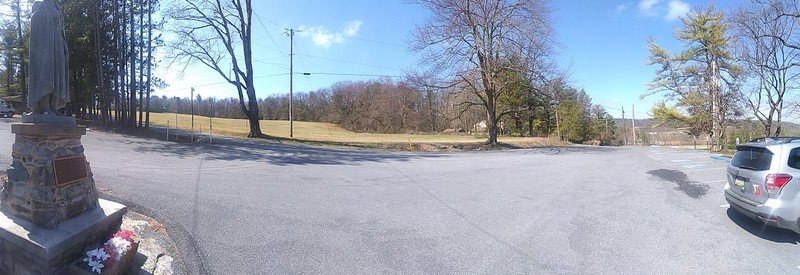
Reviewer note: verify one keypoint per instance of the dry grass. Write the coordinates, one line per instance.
(332, 133)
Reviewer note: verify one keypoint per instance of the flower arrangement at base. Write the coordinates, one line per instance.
(108, 254)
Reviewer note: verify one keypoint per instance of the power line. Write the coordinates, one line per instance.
(374, 41)
(607, 107)
(221, 82)
(350, 74)
(308, 80)
(351, 62)
(270, 35)
(265, 46)
(364, 39)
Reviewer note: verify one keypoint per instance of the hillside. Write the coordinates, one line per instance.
(332, 133)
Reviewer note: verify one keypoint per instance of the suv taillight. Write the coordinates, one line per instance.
(775, 183)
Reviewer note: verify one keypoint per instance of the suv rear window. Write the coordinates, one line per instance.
(794, 158)
(752, 158)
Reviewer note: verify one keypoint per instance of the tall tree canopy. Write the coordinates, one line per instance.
(488, 45)
(703, 78)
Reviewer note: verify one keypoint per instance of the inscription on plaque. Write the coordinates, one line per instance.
(75, 209)
(69, 170)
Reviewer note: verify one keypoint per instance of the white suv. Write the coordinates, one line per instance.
(764, 181)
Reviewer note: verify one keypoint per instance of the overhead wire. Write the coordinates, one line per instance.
(350, 62)
(218, 83)
(350, 74)
(270, 35)
(374, 41)
(303, 64)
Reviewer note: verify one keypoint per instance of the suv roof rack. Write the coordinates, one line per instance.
(775, 140)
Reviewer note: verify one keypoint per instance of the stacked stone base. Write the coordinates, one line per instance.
(29, 249)
(33, 191)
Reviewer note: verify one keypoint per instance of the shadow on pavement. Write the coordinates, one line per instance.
(763, 231)
(692, 189)
(567, 150)
(276, 153)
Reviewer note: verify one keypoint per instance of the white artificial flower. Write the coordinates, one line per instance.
(96, 266)
(95, 253)
(120, 245)
(105, 256)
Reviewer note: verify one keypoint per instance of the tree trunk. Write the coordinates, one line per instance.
(123, 66)
(492, 119)
(530, 126)
(132, 53)
(149, 60)
(141, 57)
(23, 78)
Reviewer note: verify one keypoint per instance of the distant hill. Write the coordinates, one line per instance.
(750, 126)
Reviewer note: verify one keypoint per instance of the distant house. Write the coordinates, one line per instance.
(480, 127)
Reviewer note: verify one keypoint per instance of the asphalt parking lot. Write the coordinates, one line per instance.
(244, 207)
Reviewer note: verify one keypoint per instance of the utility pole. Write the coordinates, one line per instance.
(633, 123)
(624, 131)
(191, 99)
(290, 33)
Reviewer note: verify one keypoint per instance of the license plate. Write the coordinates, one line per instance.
(739, 183)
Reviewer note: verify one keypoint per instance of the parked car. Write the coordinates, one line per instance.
(5, 109)
(763, 181)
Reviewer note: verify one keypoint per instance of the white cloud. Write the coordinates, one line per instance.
(677, 9)
(621, 8)
(351, 28)
(647, 7)
(322, 37)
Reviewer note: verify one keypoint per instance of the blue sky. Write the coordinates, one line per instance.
(602, 46)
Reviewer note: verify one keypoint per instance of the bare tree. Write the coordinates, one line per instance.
(482, 42)
(761, 28)
(218, 34)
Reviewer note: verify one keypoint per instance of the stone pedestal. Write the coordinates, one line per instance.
(50, 208)
(49, 180)
(29, 249)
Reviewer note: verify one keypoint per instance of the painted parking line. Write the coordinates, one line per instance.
(706, 169)
(724, 206)
(683, 155)
(713, 181)
(693, 163)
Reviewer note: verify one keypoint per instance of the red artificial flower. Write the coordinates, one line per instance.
(127, 235)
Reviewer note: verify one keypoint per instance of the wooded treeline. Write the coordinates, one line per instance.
(387, 106)
(111, 44)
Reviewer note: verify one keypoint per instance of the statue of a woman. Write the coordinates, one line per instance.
(48, 88)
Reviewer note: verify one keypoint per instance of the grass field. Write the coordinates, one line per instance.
(330, 133)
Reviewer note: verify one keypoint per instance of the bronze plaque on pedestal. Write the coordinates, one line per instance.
(75, 209)
(69, 170)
